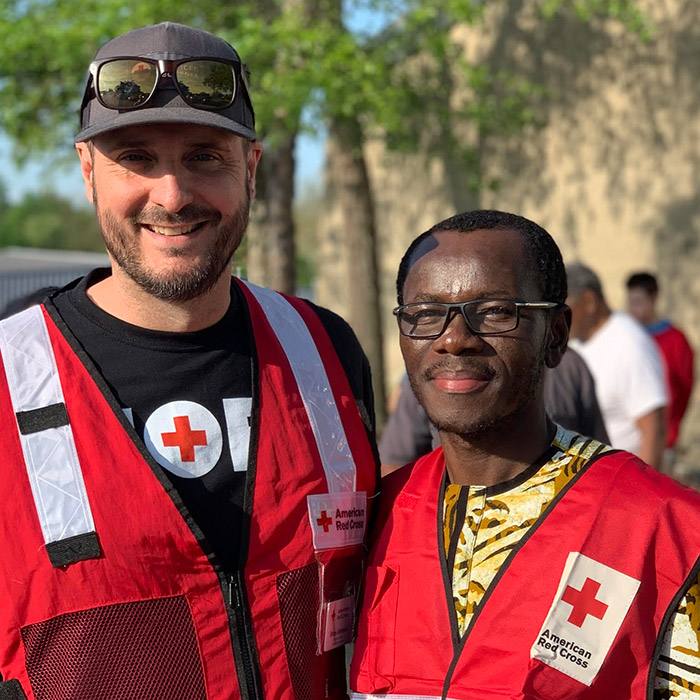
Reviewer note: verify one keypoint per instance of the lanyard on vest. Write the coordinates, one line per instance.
(47, 440)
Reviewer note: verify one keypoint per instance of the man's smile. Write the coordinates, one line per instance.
(173, 230)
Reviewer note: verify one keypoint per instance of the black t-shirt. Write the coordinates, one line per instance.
(188, 396)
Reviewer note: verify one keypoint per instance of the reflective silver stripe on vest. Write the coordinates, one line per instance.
(392, 696)
(50, 456)
(315, 390)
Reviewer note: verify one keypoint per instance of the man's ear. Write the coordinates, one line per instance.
(557, 335)
(86, 168)
(254, 153)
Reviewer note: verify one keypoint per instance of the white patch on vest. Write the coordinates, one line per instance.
(129, 413)
(591, 603)
(337, 519)
(184, 437)
(238, 413)
(340, 619)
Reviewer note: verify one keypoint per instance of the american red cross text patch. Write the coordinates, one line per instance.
(337, 519)
(591, 602)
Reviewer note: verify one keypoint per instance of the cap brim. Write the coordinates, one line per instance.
(175, 111)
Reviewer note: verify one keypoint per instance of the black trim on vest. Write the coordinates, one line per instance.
(38, 419)
(444, 567)
(460, 517)
(74, 549)
(11, 690)
(245, 650)
(551, 451)
(670, 611)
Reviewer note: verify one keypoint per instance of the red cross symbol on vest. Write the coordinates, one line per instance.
(324, 521)
(184, 438)
(584, 602)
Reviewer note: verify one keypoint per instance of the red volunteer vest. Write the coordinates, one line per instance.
(138, 607)
(577, 611)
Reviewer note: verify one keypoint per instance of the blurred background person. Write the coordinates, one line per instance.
(676, 352)
(569, 397)
(625, 364)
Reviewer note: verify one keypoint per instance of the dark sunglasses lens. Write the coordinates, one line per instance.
(206, 84)
(126, 83)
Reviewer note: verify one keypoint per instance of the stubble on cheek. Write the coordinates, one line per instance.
(123, 241)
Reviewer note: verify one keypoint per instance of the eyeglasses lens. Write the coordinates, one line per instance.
(126, 83)
(488, 316)
(206, 84)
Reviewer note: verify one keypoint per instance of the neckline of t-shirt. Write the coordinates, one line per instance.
(215, 336)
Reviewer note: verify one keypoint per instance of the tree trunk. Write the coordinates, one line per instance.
(350, 181)
(278, 167)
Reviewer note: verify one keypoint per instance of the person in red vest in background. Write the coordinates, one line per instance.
(677, 354)
(518, 559)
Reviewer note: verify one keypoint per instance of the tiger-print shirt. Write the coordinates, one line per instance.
(489, 522)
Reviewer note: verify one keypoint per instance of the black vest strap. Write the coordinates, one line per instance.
(38, 419)
(72, 550)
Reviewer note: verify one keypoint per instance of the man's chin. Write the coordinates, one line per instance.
(466, 430)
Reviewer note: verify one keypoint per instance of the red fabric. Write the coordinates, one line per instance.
(619, 512)
(148, 550)
(289, 468)
(678, 365)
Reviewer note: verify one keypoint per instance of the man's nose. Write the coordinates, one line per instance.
(457, 336)
(172, 191)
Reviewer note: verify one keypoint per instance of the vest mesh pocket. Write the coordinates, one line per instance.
(145, 650)
(313, 677)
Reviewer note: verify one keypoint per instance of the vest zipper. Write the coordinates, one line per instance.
(235, 602)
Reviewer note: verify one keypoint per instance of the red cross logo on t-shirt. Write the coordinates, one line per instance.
(584, 602)
(324, 521)
(185, 438)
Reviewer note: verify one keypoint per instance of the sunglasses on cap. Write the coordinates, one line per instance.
(129, 82)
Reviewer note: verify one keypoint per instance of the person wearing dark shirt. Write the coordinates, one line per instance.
(191, 456)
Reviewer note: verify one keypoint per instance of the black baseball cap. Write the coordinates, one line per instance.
(169, 41)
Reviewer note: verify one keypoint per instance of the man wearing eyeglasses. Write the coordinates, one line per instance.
(519, 559)
(187, 457)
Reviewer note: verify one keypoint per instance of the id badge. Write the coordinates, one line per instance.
(340, 580)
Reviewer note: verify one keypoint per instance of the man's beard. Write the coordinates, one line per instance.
(122, 245)
(472, 428)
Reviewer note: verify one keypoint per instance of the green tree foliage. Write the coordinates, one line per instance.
(46, 220)
(300, 56)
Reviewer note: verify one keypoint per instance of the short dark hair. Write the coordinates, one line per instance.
(542, 251)
(645, 281)
(580, 277)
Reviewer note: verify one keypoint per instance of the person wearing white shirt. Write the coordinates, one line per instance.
(625, 364)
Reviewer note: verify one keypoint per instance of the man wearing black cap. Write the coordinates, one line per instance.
(190, 455)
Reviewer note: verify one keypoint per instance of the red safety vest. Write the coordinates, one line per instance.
(107, 588)
(577, 611)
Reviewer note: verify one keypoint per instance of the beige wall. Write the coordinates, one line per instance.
(613, 174)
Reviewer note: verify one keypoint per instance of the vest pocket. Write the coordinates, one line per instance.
(313, 676)
(380, 607)
(145, 649)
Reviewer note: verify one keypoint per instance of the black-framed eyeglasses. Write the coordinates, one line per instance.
(129, 82)
(429, 319)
